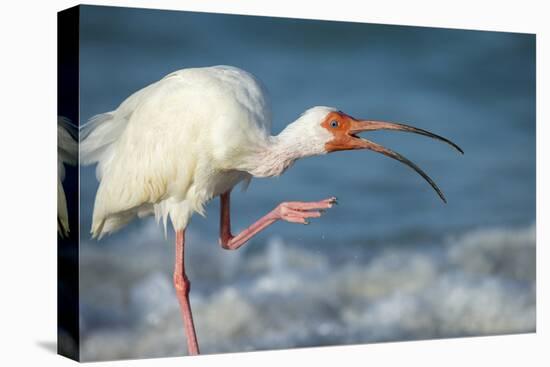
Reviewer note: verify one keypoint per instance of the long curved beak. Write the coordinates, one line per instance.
(359, 126)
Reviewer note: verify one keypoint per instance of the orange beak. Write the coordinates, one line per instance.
(350, 140)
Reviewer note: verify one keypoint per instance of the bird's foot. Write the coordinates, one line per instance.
(300, 212)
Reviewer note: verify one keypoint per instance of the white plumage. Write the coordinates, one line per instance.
(67, 149)
(177, 143)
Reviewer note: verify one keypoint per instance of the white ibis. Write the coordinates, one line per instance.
(174, 145)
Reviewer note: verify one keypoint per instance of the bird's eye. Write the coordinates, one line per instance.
(334, 124)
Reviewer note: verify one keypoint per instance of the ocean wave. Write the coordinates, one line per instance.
(284, 295)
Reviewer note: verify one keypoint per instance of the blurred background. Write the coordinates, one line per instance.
(391, 262)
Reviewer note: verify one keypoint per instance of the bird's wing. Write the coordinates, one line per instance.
(141, 156)
(168, 139)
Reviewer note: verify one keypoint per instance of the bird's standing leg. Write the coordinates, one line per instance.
(182, 285)
(292, 211)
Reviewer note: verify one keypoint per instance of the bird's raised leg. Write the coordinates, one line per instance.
(292, 211)
(182, 285)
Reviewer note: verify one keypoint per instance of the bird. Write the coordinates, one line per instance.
(67, 154)
(192, 136)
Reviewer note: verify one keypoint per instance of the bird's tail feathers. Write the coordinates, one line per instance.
(67, 141)
(110, 224)
(98, 137)
(62, 213)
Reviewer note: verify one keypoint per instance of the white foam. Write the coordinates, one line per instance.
(480, 283)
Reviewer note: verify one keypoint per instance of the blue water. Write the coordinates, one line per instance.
(475, 88)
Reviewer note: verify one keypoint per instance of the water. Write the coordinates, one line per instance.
(391, 262)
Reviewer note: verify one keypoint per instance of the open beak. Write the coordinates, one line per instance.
(369, 125)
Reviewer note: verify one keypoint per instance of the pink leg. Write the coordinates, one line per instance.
(182, 285)
(292, 211)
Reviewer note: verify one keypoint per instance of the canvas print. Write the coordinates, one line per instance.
(232, 183)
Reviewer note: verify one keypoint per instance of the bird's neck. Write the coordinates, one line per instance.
(278, 153)
(273, 159)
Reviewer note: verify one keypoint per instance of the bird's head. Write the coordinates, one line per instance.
(322, 130)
